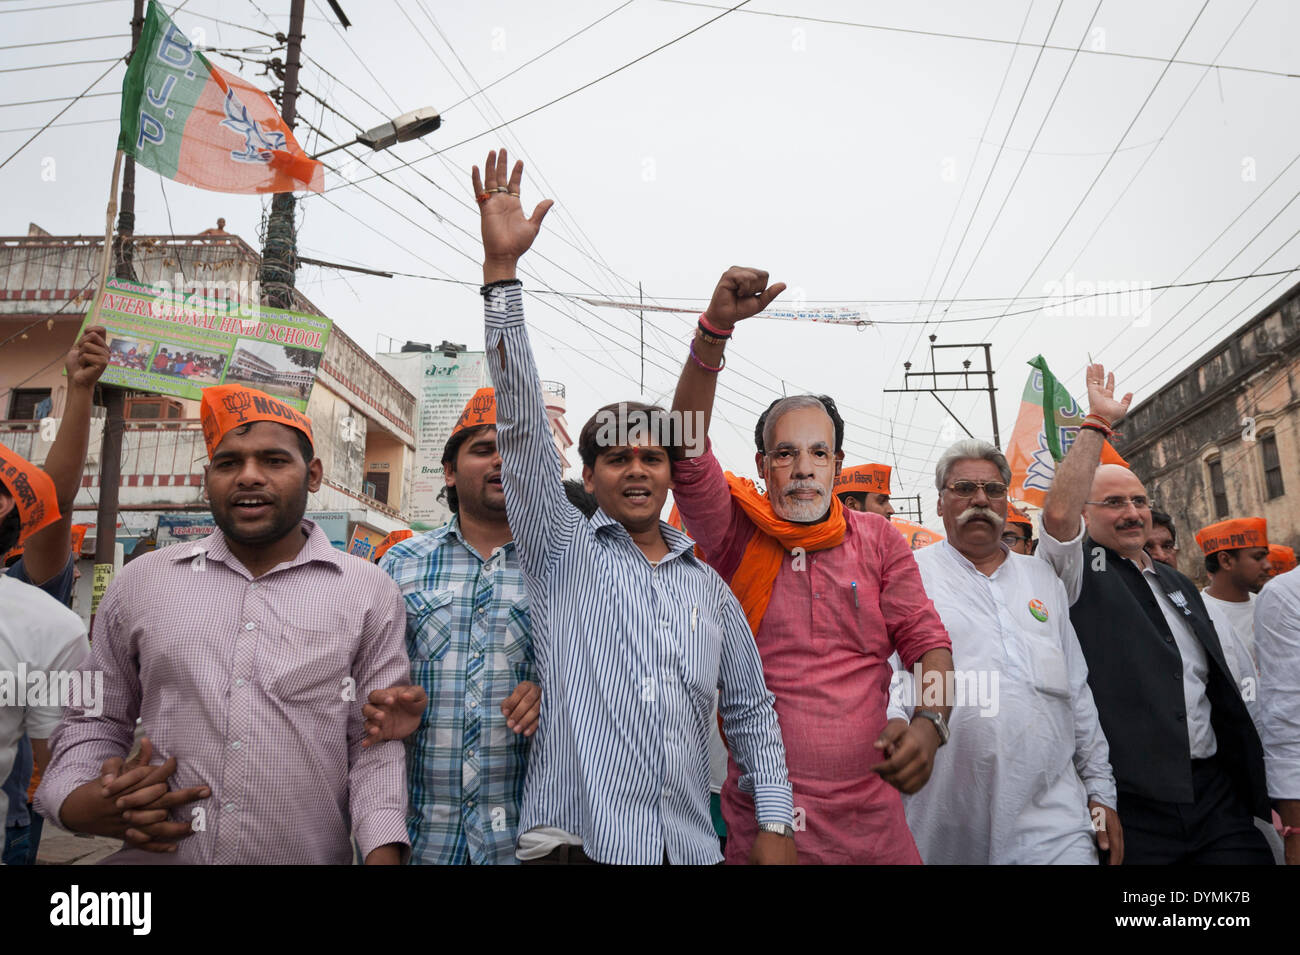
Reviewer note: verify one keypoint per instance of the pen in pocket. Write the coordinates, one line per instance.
(854, 585)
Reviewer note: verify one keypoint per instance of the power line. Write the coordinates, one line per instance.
(50, 6)
(573, 92)
(986, 39)
(83, 39)
(112, 64)
(51, 66)
(1214, 241)
(571, 36)
(1138, 172)
(58, 99)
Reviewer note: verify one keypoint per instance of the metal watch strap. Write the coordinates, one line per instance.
(940, 725)
(780, 828)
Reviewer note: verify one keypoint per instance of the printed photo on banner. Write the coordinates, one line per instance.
(280, 370)
(128, 352)
(203, 368)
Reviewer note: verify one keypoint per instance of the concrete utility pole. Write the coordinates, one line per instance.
(280, 247)
(110, 450)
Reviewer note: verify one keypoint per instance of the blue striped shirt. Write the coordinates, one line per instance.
(629, 655)
(468, 637)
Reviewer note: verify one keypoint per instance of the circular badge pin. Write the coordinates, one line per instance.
(1039, 610)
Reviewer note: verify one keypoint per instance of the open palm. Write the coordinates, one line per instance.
(507, 233)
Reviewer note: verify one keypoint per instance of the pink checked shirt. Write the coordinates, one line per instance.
(825, 647)
(256, 687)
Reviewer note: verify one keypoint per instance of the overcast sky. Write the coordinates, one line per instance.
(860, 162)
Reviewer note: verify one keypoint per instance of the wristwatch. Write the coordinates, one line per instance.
(780, 828)
(940, 724)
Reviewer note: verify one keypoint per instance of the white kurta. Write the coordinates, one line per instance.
(1013, 783)
(1277, 643)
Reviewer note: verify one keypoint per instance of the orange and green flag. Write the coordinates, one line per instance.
(193, 122)
(1035, 448)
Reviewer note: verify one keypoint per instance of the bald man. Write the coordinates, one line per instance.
(1187, 759)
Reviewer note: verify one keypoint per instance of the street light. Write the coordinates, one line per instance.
(408, 126)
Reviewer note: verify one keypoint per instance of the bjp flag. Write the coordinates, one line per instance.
(193, 122)
(1036, 447)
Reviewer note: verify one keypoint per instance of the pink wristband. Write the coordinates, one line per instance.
(714, 331)
(696, 358)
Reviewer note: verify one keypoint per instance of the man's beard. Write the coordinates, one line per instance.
(801, 512)
(287, 516)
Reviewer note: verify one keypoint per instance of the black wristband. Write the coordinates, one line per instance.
(499, 283)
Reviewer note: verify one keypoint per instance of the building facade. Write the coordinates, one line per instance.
(1222, 439)
(363, 419)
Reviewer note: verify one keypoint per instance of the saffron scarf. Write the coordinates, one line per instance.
(755, 577)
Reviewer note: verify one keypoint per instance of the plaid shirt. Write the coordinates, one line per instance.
(470, 643)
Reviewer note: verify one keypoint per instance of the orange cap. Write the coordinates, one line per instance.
(33, 492)
(1233, 533)
(1281, 558)
(917, 536)
(226, 407)
(1016, 516)
(863, 479)
(396, 537)
(479, 410)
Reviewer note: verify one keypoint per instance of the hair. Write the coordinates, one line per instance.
(970, 449)
(1161, 519)
(450, 450)
(580, 497)
(304, 443)
(860, 496)
(767, 420)
(662, 428)
(1212, 565)
(11, 527)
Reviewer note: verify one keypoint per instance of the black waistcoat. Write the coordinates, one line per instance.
(1136, 675)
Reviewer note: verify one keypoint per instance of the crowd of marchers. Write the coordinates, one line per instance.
(559, 675)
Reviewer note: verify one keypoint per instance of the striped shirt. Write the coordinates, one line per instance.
(256, 687)
(629, 655)
(468, 638)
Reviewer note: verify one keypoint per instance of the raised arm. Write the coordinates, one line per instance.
(530, 466)
(740, 294)
(45, 553)
(1063, 509)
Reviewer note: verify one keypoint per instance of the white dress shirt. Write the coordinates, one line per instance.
(1277, 643)
(1012, 784)
(1067, 558)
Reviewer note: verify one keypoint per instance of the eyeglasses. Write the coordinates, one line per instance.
(1011, 540)
(783, 458)
(1117, 503)
(993, 490)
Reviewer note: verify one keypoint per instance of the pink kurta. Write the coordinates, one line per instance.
(825, 647)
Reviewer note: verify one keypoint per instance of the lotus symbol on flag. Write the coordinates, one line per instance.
(237, 403)
(258, 144)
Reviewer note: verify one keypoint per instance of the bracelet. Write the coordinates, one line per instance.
(721, 333)
(499, 283)
(1100, 420)
(1104, 432)
(696, 358)
(704, 336)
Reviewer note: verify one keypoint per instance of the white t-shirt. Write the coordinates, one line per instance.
(1241, 614)
(39, 638)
